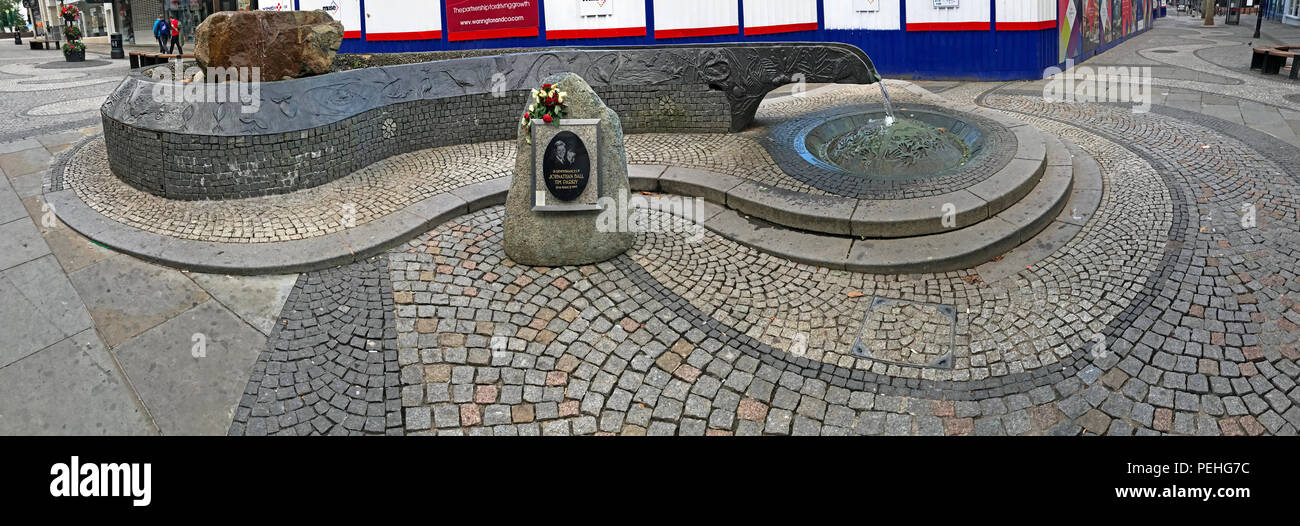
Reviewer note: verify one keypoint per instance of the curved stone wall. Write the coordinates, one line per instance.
(306, 132)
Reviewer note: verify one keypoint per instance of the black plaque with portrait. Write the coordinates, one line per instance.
(566, 167)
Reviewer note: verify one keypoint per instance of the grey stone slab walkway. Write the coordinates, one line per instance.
(94, 342)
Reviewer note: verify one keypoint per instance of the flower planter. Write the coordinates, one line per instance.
(75, 56)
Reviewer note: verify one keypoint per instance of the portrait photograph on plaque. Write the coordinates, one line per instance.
(566, 165)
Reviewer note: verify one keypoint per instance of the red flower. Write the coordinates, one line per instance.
(546, 86)
(528, 115)
(546, 119)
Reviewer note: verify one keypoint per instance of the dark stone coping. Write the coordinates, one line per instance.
(311, 102)
(309, 131)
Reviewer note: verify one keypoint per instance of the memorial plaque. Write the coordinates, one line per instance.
(566, 165)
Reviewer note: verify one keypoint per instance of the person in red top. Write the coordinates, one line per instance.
(176, 37)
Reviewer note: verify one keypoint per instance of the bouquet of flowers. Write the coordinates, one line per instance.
(70, 12)
(548, 105)
(72, 33)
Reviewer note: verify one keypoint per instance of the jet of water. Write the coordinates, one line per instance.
(889, 106)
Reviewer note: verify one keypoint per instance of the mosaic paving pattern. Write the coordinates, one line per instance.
(1175, 310)
(331, 365)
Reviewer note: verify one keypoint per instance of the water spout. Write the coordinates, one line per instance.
(889, 106)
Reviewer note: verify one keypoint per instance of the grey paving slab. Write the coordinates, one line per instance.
(69, 388)
(24, 162)
(1227, 112)
(688, 181)
(487, 193)
(126, 296)
(644, 177)
(28, 185)
(10, 203)
(73, 250)
(18, 146)
(255, 299)
(918, 216)
(55, 142)
(40, 308)
(816, 249)
(817, 213)
(185, 394)
(20, 243)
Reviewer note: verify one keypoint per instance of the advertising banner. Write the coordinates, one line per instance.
(347, 12)
(478, 19)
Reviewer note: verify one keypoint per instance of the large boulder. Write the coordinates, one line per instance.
(284, 44)
(549, 238)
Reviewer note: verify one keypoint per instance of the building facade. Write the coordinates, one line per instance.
(97, 18)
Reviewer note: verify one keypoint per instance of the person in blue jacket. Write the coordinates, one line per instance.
(162, 33)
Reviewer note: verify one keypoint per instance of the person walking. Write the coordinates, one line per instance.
(161, 33)
(176, 37)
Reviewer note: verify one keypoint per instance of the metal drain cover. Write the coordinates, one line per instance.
(906, 332)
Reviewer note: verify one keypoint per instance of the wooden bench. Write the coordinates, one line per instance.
(41, 43)
(1275, 60)
(1257, 57)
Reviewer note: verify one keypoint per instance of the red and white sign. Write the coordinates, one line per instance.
(478, 19)
(1026, 15)
(567, 19)
(403, 20)
(696, 18)
(764, 17)
(924, 15)
(347, 12)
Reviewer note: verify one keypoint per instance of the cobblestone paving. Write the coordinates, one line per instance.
(906, 332)
(1173, 311)
(373, 192)
(331, 364)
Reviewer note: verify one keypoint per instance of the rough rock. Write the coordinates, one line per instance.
(567, 238)
(284, 44)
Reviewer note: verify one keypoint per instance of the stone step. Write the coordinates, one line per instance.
(1043, 205)
(866, 218)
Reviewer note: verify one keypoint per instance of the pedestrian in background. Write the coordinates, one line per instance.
(161, 33)
(176, 37)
